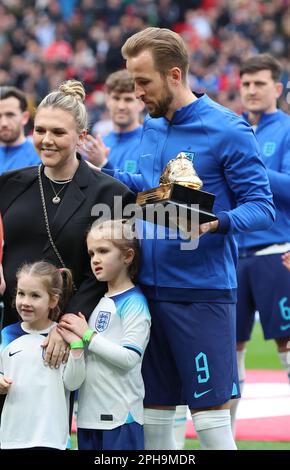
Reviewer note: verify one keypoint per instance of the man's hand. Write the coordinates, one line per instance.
(2, 281)
(286, 260)
(96, 151)
(5, 384)
(75, 323)
(208, 227)
(56, 349)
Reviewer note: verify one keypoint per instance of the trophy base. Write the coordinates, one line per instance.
(193, 206)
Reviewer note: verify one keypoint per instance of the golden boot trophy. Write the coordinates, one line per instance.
(179, 186)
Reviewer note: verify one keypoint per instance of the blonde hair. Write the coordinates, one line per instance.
(122, 234)
(69, 97)
(168, 49)
(56, 282)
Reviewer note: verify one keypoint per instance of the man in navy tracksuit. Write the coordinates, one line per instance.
(263, 283)
(191, 355)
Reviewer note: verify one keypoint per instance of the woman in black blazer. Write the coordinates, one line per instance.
(47, 210)
(2, 284)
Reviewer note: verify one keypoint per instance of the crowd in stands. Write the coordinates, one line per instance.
(43, 42)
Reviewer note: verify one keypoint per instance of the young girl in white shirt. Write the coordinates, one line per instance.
(110, 407)
(35, 413)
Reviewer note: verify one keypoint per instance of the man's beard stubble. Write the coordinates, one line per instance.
(162, 107)
(10, 138)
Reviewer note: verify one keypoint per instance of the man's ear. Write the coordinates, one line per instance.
(25, 117)
(175, 75)
(279, 89)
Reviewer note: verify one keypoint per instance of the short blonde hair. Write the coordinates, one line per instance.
(69, 97)
(168, 49)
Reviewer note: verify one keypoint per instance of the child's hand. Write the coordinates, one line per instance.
(5, 384)
(74, 323)
(67, 335)
(286, 260)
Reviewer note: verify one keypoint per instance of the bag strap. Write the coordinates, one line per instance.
(57, 253)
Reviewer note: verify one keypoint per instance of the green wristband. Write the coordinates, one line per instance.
(87, 335)
(77, 344)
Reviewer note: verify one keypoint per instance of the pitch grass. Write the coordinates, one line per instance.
(193, 444)
(261, 354)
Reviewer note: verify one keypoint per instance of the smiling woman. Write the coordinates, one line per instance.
(46, 210)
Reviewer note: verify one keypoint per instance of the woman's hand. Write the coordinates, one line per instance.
(68, 335)
(5, 384)
(56, 350)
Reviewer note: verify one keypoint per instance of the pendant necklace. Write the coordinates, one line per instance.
(56, 198)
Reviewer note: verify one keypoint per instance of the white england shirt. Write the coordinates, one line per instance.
(113, 390)
(35, 412)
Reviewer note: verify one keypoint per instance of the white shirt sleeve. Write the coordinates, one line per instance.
(135, 335)
(117, 355)
(75, 372)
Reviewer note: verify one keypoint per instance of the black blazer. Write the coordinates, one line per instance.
(69, 227)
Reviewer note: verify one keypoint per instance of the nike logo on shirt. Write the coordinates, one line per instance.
(12, 353)
(284, 327)
(198, 395)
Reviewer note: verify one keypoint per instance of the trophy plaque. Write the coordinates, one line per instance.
(179, 186)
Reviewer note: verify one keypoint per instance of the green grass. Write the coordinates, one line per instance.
(193, 444)
(261, 354)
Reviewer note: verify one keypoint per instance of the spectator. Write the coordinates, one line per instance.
(16, 151)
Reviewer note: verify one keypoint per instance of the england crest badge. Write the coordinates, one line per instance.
(102, 321)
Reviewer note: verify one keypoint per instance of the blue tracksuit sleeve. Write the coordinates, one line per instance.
(133, 181)
(280, 184)
(278, 164)
(280, 180)
(247, 178)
